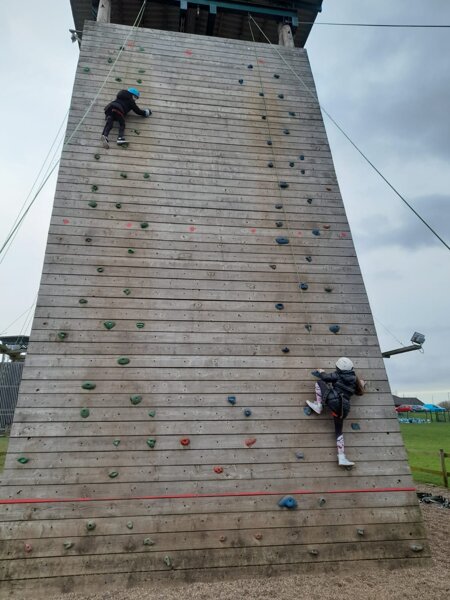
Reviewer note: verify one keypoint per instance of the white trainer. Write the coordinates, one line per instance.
(105, 142)
(344, 462)
(317, 407)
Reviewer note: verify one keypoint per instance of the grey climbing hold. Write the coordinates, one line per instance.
(124, 176)
(151, 413)
(303, 286)
(92, 204)
(314, 552)
(281, 96)
(355, 426)
(273, 267)
(309, 200)
(308, 327)
(151, 442)
(285, 350)
(308, 258)
(286, 132)
(283, 185)
(231, 400)
(299, 455)
(146, 175)
(241, 81)
(97, 156)
(276, 76)
(247, 412)
(130, 251)
(90, 525)
(94, 188)
(23, 460)
(68, 545)
(123, 360)
(135, 400)
(84, 413)
(270, 164)
(360, 532)
(88, 240)
(292, 164)
(116, 442)
(100, 269)
(316, 232)
(168, 560)
(129, 524)
(416, 547)
(62, 335)
(322, 502)
(328, 289)
(144, 225)
(113, 474)
(109, 324)
(288, 502)
(110, 60)
(279, 306)
(334, 328)
(269, 142)
(307, 411)
(118, 205)
(127, 291)
(278, 206)
(140, 325)
(279, 223)
(282, 241)
(88, 385)
(82, 301)
(148, 542)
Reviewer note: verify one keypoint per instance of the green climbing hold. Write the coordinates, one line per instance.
(136, 131)
(118, 205)
(123, 360)
(130, 524)
(168, 561)
(140, 325)
(144, 225)
(151, 413)
(62, 335)
(141, 71)
(97, 156)
(113, 474)
(355, 426)
(88, 385)
(130, 251)
(124, 175)
(82, 301)
(94, 188)
(92, 204)
(100, 269)
(146, 175)
(135, 400)
(90, 525)
(109, 324)
(138, 80)
(151, 443)
(23, 460)
(118, 79)
(141, 49)
(110, 60)
(84, 413)
(116, 442)
(68, 545)
(148, 542)
(86, 69)
(127, 291)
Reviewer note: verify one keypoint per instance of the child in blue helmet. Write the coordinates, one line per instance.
(335, 390)
(117, 110)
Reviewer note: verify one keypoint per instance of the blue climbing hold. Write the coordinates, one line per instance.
(307, 411)
(303, 286)
(279, 306)
(269, 142)
(282, 241)
(315, 232)
(309, 201)
(276, 76)
(270, 164)
(316, 373)
(355, 426)
(247, 412)
(249, 66)
(232, 400)
(283, 185)
(334, 328)
(285, 350)
(292, 164)
(261, 94)
(300, 455)
(308, 258)
(288, 502)
(301, 157)
(291, 113)
(281, 96)
(241, 81)
(286, 131)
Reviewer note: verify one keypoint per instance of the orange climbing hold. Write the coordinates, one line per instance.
(185, 441)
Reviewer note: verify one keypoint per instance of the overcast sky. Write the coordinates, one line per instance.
(390, 91)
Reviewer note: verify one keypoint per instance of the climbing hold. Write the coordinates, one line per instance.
(113, 474)
(416, 547)
(88, 240)
(288, 502)
(334, 328)
(151, 442)
(141, 71)
(118, 205)
(308, 327)
(278, 206)
(109, 324)
(146, 175)
(88, 385)
(314, 552)
(148, 542)
(249, 66)
(281, 96)
(144, 225)
(94, 188)
(86, 69)
(118, 79)
(249, 442)
(279, 306)
(316, 232)
(100, 269)
(231, 400)
(82, 301)
(360, 532)
(292, 164)
(269, 142)
(309, 200)
(223, 538)
(327, 226)
(136, 131)
(130, 251)
(241, 81)
(279, 223)
(321, 502)
(283, 185)
(276, 76)
(23, 460)
(141, 49)
(270, 164)
(140, 325)
(62, 335)
(355, 426)
(273, 267)
(218, 470)
(258, 536)
(135, 400)
(302, 171)
(261, 94)
(129, 524)
(124, 175)
(300, 455)
(127, 291)
(291, 113)
(97, 156)
(92, 204)
(84, 413)
(68, 545)
(285, 350)
(185, 441)
(28, 547)
(123, 360)
(110, 60)
(138, 80)
(301, 157)
(263, 117)
(247, 412)
(151, 413)
(303, 286)
(282, 241)
(286, 131)
(90, 525)
(116, 442)
(308, 258)
(328, 289)
(307, 411)
(168, 561)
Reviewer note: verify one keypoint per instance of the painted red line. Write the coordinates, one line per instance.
(217, 495)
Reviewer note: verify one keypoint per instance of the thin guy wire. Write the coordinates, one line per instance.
(282, 200)
(351, 141)
(398, 25)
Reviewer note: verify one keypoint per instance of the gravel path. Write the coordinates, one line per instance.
(371, 584)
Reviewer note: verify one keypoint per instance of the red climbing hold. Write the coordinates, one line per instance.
(326, 226)
(343, 234)
(192, 228)
(66, 221)
(129, 225)
(218, 470)
(249, 442)
(188, 52)
(28, 547)
(185, 441)
(252, 230)
(130, 44)
(261, 61)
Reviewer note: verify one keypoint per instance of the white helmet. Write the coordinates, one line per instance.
(344, 364)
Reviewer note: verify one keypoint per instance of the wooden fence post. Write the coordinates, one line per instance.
(443, 467)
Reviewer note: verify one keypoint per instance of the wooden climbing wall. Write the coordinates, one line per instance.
(193, 298)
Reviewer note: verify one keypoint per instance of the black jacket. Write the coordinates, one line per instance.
(124, 102)
(344, 382)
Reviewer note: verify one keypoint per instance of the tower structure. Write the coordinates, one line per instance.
(192, 281)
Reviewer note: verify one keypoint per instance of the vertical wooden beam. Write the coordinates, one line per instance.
(285, 37)
(104, 11)
(443, 467)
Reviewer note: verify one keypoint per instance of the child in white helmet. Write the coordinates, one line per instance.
(117, 110)
(335, 390)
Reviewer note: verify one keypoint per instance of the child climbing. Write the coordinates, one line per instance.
(118, 109)
(335, 390)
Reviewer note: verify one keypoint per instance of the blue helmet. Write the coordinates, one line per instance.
(135, 92)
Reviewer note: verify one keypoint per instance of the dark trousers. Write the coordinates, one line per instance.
(339, 406)
(110, 118)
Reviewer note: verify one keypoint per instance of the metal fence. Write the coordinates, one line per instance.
(10, 377)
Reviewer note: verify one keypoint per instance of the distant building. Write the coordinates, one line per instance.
(410, 400)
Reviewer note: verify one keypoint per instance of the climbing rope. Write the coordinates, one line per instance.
(27, 310)
(339, 127)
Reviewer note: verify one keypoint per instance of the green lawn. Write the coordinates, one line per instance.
(3, 448)
(426, 437)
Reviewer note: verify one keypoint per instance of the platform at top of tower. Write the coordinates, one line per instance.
(221, 18)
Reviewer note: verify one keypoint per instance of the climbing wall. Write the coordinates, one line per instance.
(191, 283)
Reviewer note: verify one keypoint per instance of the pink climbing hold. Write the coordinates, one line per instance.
(28, 547)
(327, 226)
(192, 228)
(252, 230)
(261, 61)
(258, 536)
(129, 225)
(218, 470)
(185, 441)
(298, 233)
(249, 442)
(130, 44)
(343, 234)
(66, 221)
(188, 52)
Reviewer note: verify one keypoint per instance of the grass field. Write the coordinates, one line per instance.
(426, 437)
(3, 448)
